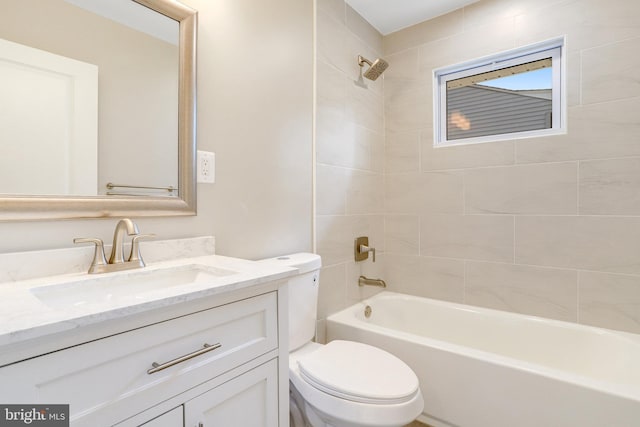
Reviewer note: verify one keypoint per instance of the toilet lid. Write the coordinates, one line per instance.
(359, 372)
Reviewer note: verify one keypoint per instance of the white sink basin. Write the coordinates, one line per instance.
(129, 286)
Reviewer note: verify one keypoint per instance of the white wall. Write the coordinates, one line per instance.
(255, 112)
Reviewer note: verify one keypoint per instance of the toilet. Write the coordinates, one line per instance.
(342, 383)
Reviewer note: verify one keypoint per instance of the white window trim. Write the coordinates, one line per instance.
(554, 48)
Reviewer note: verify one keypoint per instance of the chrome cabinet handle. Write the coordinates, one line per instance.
(157, 367)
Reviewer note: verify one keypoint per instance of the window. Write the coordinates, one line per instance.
(515, 94)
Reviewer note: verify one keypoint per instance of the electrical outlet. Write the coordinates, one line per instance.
(206, 167)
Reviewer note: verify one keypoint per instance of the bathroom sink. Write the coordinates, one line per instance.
(125, 287)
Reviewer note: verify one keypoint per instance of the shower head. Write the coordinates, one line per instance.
(375, 69)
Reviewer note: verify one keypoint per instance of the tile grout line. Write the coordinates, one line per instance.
(578, 188)
(577, 296)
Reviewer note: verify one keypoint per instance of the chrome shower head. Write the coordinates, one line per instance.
(375, 69)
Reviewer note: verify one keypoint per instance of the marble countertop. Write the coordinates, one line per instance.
(25, 316)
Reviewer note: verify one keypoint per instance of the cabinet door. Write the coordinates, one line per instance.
(173, 418)
(248, 400)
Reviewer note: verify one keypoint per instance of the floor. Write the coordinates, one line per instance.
(416, 424)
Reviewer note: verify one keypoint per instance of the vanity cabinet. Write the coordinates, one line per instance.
(173, 418)
(217, 366)
(247, 400)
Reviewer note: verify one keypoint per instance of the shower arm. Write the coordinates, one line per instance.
(362, 60)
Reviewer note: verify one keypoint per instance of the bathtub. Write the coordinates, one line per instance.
(487, 368)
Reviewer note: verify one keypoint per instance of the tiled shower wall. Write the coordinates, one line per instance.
(543, 226)
(349, 154)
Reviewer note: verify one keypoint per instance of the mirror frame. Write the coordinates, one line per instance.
(26, 208)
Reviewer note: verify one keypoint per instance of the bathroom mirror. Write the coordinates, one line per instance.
(97, 109)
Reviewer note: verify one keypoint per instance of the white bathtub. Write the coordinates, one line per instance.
(488, 368)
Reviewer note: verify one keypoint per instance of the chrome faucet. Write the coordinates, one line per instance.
(116, 260)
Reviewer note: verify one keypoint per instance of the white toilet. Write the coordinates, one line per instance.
(342, 383)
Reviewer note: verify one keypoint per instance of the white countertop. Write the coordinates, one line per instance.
(24, 316)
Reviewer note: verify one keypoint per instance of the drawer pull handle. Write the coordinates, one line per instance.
(157, 367)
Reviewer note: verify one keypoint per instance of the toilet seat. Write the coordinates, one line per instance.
(359, 373)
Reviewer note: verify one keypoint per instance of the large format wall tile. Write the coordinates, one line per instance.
(333, 8)
(610, 187)
(367, 268)
(402, 152)
(331, 40)
(405, 116)
(367, 225)
(596, 131)
(405, 66)
(611, 72)
(527, 189)
(574, 84)
(527, 217)
(610, 301)
(479, 237)
(363, 30)
(608, 244)
(464, 156)
(364, 193)
(365, 108)
(487, 12)
(475, 42)
(402, 193)
(587, 23)
(438, 278)
(434, 29)
(402, 234)
(350, 151)
(332, 293)
(442, 192)
(334, 239)
(355, 47)
(336, 234)
(330, 190)
(547, 292)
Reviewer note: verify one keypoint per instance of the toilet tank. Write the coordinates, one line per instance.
(303, 296)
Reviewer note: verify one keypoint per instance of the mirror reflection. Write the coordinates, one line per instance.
(88, 97)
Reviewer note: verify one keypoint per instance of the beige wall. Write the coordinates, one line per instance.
(255, 112)
(543, 226)
(349, 154)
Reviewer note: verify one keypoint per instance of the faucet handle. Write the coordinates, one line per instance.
(135, 254)
(99, 260)
(366, 249)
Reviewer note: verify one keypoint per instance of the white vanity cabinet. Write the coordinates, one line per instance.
(173, 418)
(219, 366)
(250, 399)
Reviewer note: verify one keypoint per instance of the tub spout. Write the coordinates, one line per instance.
(362, 281)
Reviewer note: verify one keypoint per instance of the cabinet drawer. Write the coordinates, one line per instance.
(108, 380)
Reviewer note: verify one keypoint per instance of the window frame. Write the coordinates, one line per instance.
(554, 48)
